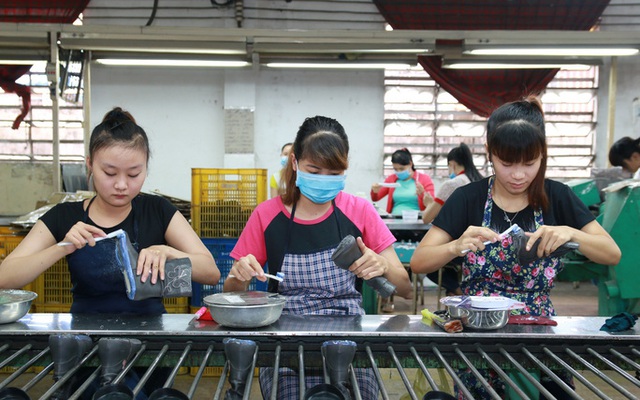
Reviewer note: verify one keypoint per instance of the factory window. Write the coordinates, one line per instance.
(33, 140)
(424, 118)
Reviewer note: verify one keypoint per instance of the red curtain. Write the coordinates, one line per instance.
(8, 76)
(484, 90)
(41, 11)
(32, 11)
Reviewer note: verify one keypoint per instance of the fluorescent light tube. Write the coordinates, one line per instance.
(21, 62)
(519, 65)
(338, 65)
(553, 51)
(171, 63)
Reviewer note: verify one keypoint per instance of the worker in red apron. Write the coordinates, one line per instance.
(296, 234)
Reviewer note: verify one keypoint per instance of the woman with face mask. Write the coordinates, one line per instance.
(462, 170)
(406, 187)
(275, 182)
(297, 232)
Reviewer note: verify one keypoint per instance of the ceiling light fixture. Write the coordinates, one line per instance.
(554, 51)
(172, 62)
(519, 65)
(338, 65)
(21, 62)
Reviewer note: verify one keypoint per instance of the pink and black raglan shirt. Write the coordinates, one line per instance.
(313, 284)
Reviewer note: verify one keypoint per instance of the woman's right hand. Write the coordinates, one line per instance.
(82, 234)
(427, 198)
(246, 268)
(375, 188)
(473, 240)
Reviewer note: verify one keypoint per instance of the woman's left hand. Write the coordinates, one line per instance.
(370, 264)
(151, 263)
(551, 237)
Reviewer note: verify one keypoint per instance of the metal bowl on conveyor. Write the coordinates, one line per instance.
(14, 304)
(478, 312)
(251, 309)
(484, 319)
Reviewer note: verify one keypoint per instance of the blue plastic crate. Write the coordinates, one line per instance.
(220, 248)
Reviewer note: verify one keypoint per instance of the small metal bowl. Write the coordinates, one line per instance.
(252, 309)
(14, 304)
(455, 312)
(479, 319)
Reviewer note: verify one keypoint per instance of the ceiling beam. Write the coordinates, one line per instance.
(297, 43)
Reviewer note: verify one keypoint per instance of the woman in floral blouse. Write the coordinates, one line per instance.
(517, 193)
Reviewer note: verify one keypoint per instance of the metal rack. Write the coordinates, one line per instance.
(400, 342)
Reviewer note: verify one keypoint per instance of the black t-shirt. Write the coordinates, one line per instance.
(152, 213)
(96, 286)
(465, 208)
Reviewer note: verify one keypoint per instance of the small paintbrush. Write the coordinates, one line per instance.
(109, 236)
(278, 277)
(513, 228)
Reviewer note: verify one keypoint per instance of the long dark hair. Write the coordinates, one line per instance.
(515, 134)
(462, 155)
(322, 140)
(622, 150)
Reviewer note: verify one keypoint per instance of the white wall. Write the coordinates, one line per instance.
(23, 185)
(627, 88)
(182, 111)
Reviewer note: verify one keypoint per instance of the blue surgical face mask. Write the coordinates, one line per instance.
(319, 188)
(283, 160)
(404, 174)
(452, 175)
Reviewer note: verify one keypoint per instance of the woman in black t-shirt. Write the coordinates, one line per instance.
(517, 193)
(118, 157)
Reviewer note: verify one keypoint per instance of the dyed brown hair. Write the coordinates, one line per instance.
(516, 134)
(321, 140)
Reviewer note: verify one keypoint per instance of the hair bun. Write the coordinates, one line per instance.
(119, 116)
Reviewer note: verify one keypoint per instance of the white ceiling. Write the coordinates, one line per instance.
(260, 14)
(279, 29)
(620, 15)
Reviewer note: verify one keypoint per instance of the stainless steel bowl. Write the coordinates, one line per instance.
(455, 312)
(14, 304)
(481, 319)
(251, 309)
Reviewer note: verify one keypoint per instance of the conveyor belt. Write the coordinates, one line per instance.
(403, 343)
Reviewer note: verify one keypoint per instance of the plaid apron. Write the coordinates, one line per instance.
(316, 286)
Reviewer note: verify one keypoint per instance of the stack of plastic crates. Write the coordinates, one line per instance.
(222, 199)
(53, 286)
(9, 240)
